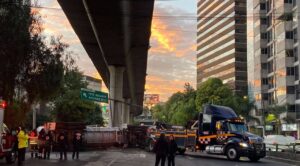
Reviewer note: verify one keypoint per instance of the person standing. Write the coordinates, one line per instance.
(33, 142)
(77, 142)
(41, 143)
(22, 145)
(161, 150)
(172, 149)
(62, 145)
(48, 145)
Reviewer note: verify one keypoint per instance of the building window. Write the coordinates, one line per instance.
(271, 82)
(263, 21)
(237, 30)
(265, 96)
(295, 35)
(290, 89)
(264, 35)
(264, 51)
(289, 53)
(269, 5)
(289, 35)
(290, 71)
(264, 66)
(264, 81)
(263, 6)
(270, 67)
(296, 54)
(292, 108)
(269, 20)
(296, 72)
(270, 50)
(297, 90)
(271, 98)
(241, 50)
(288, 1)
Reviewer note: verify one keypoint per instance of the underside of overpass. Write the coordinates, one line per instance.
(115, 34)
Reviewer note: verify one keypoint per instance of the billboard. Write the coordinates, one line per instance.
(289, 127)
(151, 98)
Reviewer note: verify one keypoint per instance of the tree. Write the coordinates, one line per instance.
(213, 91)
(179, 109)
(69, 107)
(28, 65)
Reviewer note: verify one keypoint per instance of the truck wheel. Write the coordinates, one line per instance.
(10, 157)
(232, 153)
(254, 159)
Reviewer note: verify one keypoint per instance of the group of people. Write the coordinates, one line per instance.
(42, 144)
(165, 149)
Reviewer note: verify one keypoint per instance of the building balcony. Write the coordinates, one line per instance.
(282, 10)
(263, 28)
(289, 25)
(290, 80)
(290, 61)
(285, 44)
(264, 58)
(264, 73)
(263, 43)
(290, 98)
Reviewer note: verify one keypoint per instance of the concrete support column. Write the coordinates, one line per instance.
(126, 111)
(116, 94)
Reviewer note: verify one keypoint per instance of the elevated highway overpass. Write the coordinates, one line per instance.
(115, 34)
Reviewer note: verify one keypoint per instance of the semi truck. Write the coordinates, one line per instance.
(221, 131)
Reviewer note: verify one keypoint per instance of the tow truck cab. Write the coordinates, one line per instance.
(221, 131)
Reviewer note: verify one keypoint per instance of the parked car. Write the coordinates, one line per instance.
(279, 143)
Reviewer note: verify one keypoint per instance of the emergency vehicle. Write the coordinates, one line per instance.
(183, 137)
(7, 140)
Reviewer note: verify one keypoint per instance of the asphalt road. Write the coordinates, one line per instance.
(135, 157)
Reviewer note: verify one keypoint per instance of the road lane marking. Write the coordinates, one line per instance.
(114, 160)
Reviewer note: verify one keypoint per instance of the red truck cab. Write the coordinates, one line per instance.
(7, 147)
(7, 139)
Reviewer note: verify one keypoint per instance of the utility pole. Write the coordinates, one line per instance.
(34, 118)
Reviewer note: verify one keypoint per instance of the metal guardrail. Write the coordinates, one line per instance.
(292, 148)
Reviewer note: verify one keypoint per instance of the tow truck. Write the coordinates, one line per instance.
(183, 137)
(7, 140)
(222, 132)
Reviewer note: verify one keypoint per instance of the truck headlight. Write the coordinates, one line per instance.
(243, 144)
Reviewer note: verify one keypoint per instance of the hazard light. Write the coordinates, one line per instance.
(3, 104)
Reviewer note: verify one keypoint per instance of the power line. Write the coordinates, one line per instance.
(183, 17)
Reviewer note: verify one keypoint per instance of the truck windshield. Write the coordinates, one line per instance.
(237, 127)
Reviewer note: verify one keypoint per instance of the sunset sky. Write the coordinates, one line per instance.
(172, 57)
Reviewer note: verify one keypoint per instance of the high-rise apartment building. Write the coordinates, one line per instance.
(221, 42)
(273, 65)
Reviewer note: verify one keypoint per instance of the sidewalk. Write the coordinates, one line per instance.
(286, 157)
(279, 156)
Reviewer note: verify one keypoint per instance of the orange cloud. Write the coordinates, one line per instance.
(185, 51)
(163, 36)
(163, 87)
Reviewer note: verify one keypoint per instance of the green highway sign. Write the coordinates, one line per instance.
(98, 96)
